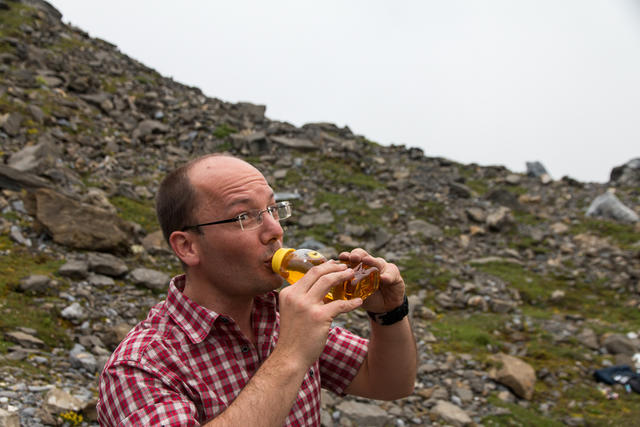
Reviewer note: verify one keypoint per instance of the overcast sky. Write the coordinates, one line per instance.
(493, 82)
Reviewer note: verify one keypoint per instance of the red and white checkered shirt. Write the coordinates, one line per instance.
(185, 364)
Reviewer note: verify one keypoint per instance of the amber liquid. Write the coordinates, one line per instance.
(365, 282)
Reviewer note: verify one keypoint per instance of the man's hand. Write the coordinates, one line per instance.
(305, 319)
(392, 288)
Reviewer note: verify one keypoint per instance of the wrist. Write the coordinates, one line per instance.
(392, 316)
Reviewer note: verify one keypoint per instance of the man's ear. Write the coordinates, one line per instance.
(184, 245)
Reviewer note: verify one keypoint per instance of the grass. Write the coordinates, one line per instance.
(623, 235)
(10, 21)
(345, 174)
(469, 333)
(223, 131)
(17, 309)
(142, 213)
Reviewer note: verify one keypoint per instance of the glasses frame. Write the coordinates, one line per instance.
(237, 218)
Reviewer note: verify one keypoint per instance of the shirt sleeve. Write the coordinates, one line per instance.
(341, 359)
(134, 396)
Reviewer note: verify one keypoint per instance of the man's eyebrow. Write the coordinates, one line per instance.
(247, 200)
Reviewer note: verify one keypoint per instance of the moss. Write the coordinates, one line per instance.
(17, 309)
(417, 269)
(11, 20)
(517, 416)
(345, 173)
(142, 213)
(468, 334)
(622, 234)
(223, 130)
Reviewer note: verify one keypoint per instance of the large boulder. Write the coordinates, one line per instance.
(608, 206)
(514, 373)
(78, 225)
(627, 174)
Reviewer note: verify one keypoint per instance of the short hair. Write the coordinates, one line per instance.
(177, 200)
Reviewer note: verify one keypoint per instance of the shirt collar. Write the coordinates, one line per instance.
(196, 321)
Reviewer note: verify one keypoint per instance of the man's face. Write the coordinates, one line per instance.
(236, 262)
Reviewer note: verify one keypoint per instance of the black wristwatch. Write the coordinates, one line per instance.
(393, 316)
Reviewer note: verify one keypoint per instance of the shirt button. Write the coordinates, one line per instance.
(244, 349)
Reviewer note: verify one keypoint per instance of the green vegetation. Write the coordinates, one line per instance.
(224, 130)
(17, 309)
(346, 173)
(468, 334)
(621, 234)
(10, 21)
(141, 212)
(416, 269)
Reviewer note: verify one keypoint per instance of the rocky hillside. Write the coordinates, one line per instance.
(518, 295)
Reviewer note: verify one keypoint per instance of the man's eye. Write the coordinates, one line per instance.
(243, 216)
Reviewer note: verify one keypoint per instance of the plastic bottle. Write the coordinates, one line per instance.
(292, 264)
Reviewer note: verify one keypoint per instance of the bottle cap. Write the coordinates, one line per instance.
(276, 261)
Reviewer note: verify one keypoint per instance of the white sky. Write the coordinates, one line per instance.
(496, 82)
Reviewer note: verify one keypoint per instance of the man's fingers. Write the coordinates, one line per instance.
(342, 306)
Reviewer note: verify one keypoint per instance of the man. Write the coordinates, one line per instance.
(224, 348)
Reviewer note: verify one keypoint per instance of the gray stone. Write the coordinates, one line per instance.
(100, 280)
(16, 235)
(77, 225)
(607, 205)
(73, 312)
(81, 358)
(363, 414)
(107, 264)
(75, 269)
(24, 340)
(536, 169)
(148, 278)
(514, 373)
(295, 143)
(451, 414)
(9, 419)
(418, 226)
(619, 344)
(35, 284)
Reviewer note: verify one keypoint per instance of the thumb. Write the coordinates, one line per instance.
(344, 306)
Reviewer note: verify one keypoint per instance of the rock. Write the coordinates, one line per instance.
(536, 169)
(75, 269)
(76, 225)
(73, 312)
(154, 243)
(16, 180)
(24, 340)
(460, 190)
(81, 358)
(363, 414)
(514, 373)
(148, 278)
(57, 401)
(619, 344)
(430, 231)
(36, 284)
(100, 280)
(607, 205)
(11, 123)
(16, 235)
(588, 338)
(115, 334)
(295, 143)
(627, 174)
(9, 419)
(451, 414)
(107, 264)
(149, 127)
(476, 214)
(35, 158)
(499, 219)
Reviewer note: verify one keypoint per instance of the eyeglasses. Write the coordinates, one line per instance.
(252, 219)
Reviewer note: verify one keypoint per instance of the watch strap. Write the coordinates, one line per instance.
(393, 316)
